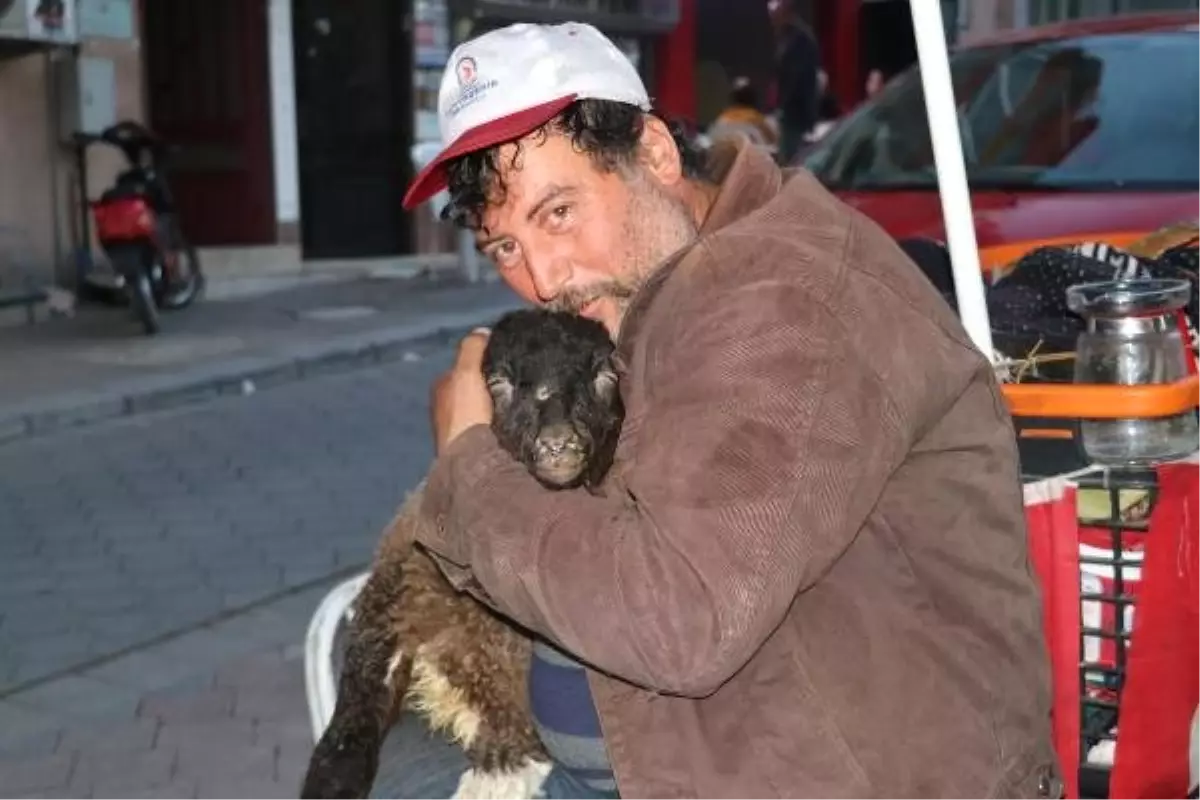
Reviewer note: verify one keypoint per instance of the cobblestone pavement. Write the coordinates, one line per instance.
(157, 574)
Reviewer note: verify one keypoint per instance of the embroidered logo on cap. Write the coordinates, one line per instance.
(466, 71)
(471, 88)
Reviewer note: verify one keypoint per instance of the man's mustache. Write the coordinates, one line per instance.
(573, 300)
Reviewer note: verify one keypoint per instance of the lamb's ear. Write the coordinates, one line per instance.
(605, 382)
(501, 389)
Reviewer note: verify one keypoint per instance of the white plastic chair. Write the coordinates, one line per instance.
(320, 680)
(1194, 753)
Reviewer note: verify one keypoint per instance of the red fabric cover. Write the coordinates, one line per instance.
(1161, 690)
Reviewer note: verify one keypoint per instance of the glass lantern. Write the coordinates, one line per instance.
(1133, 338)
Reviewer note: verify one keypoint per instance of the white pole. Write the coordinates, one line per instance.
(942, 113)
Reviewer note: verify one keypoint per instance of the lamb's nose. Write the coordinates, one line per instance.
(556, 439)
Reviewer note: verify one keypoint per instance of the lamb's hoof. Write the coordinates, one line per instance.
(521, 784)
(340, 769)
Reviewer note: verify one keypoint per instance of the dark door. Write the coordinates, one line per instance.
(209, 87)
(354, 116)
(886, 40)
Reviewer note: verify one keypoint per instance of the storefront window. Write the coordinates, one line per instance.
(1045, 11)
(431, 50)
(1156, 5)
(1075, 114)
(951, 21)
(667, 10)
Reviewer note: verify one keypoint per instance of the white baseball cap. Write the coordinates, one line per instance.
(511, 81)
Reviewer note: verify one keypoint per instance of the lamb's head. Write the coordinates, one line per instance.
(558, 409)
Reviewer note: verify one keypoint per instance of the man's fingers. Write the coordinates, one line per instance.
(470, 349)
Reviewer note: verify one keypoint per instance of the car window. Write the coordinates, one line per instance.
(1093, 112)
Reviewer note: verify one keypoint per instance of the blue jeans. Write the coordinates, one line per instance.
(415, 763)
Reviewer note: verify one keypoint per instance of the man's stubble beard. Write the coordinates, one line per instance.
(656, 226)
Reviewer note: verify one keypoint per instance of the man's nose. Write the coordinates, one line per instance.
(550, 276)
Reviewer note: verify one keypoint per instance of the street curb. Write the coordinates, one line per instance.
(238, 376)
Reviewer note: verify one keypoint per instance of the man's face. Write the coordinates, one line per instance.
(575, 238)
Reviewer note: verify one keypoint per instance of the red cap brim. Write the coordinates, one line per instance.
(432, 179)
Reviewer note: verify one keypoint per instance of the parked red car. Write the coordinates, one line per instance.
(1084, 130)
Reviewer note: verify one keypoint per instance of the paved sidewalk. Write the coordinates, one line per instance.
(99, 365)
(157, 574)
(167, 529)
(226, 717)
(117, 534)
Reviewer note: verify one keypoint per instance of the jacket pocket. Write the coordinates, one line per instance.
(808, 753)
(1033, 774)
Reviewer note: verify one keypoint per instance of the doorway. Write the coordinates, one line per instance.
(354, 119)
(208, 88)
(886, 40)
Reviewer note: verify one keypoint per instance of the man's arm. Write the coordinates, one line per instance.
(765, 446)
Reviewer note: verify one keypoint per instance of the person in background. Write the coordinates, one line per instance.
(876, 80)
(744, 115)
(828, 110)
(798, 63)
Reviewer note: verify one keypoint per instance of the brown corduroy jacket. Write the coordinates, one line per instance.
(807, 575)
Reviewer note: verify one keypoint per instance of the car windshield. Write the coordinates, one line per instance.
(1095, 112)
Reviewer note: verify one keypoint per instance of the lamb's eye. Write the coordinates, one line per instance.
(501, 389)
(542, 393)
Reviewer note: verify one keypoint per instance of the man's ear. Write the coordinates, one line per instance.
(659, 155)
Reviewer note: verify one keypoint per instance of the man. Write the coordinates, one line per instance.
(806, 574)
(875, 82)
(798, 65)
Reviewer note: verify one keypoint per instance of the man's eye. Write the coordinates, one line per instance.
(560, 214)
(504, 254)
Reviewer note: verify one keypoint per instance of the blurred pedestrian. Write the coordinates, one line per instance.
(744, 115)
(876, 80)
(798, 63)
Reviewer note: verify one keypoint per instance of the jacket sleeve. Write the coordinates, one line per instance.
(763, 448)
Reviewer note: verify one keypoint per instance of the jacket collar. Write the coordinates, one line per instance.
(748, 179)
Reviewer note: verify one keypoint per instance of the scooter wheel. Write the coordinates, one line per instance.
(144, 307)
(192, 286)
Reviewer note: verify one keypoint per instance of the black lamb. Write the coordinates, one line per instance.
(414, 639)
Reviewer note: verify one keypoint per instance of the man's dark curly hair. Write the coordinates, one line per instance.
(607, 131)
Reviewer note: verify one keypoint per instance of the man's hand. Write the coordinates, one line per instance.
(460, 397)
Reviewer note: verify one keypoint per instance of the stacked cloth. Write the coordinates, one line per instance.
(1029, 302)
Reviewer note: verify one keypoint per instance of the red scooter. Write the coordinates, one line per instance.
(137, 224)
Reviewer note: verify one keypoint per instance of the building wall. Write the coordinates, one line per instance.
(39, 199)
(26, 192)
(283, 121)
(103, 162)
(39, 190)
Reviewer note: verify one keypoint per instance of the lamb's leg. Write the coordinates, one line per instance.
(517, 776)
(506, 755)
(373, 682)
(507, 759)
(523, 783)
